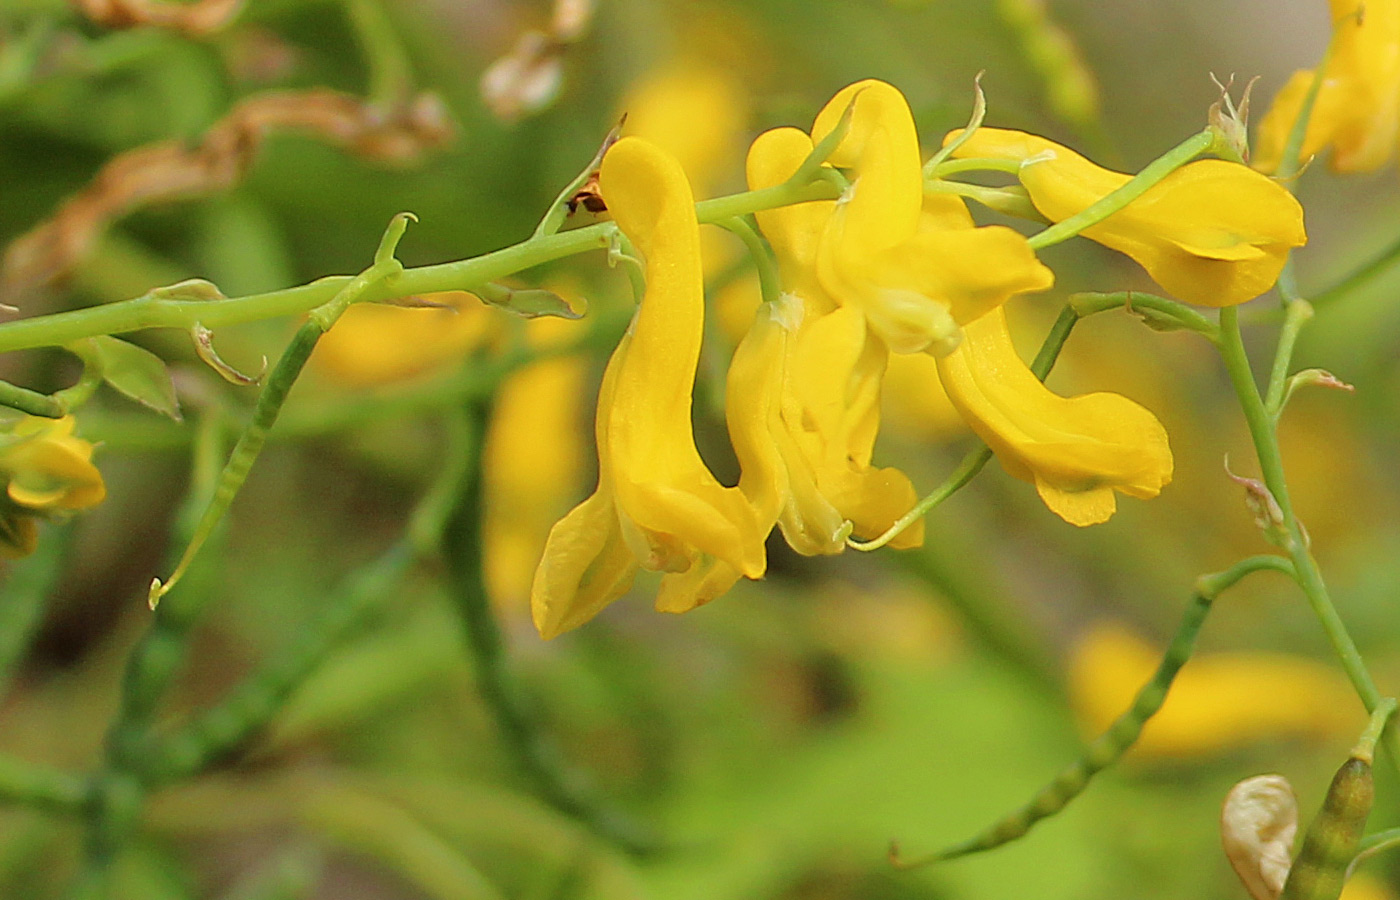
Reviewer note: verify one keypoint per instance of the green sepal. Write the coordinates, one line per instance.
(136, 372)
(530, 302)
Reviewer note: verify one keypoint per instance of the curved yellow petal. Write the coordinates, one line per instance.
(795, 231)
(48, 468)
(881, 146)
(1213, 232)
(586, 565)
(1077, 451)
(661, 484)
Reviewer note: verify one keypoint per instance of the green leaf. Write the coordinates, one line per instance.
(137, 373)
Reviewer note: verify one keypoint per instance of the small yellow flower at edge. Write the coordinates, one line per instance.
(46, 470)
(656, 505)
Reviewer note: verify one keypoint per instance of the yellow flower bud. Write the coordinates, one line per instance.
(1212, 232)
(46, 470)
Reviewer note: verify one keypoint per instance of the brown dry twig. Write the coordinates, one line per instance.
(174, 170)
(194, 19)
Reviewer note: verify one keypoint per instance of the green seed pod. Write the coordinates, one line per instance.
(1319, 871)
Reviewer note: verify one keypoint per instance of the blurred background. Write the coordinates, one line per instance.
(779, 738)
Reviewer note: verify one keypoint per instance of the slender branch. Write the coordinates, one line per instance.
(1109, 747)
(221, 730)
(1307, 573)
(38, 787)
(1359, 276)
(553, 778)
(1296, 314)
(155, 311)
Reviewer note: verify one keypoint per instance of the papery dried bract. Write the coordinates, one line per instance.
(1258, 822)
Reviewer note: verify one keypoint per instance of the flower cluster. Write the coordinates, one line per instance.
(46, 471)
(887, 268)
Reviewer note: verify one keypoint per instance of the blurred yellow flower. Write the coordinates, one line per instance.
(1077, 451)
(1212, 232)
(1357, 111)
(656, 505)
(534, 459)
(1219, 701)
(1363, 886)
(916, 280)
(374, 344)
(695, 112)
(46, 470)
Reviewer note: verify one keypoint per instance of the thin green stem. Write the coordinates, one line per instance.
(390, 74)
(973, 462)
(759, 252)
(1159, 312)
(1134, 188)
(1109, 747)
(1358, 277)
(559, 210)
(959, 166)
(1307, 573)
(553, 778)
(38, 787)
(218, 732)
(155, 311)
(32, 402)
(1296, 314)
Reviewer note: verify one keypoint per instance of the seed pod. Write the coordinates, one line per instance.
(1257, 824)
(1319, 871)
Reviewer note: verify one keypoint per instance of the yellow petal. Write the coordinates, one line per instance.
(795, 231)
(586, 565)
(1213, 232)
(48, 468)
(1077, 451)
(661, 484)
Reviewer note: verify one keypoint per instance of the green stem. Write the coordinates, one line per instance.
(390, 75)
(1167, 312)
(1109, 747)
(37, 787)
(1296, 314)
(32, 402)
(1307, 573)
(216, 733)
(554, 779)
(1134, 188)
(959, 166)
(762, 257)
(1381, 262)
(155, 311)
(973, 462)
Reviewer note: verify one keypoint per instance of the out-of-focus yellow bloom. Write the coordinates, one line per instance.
(534, 453)
(656, 506)
(1363, 886)
(916, 281)
(1357, 111)
(1218, 701)
(810, 448)
(45, 470)
(695, 112)
(374, 344)
(1077, 451)
(1212, 232)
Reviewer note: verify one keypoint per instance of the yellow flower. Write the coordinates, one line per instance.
(1077, 451)
(805, 449)
(1357, 111)
(1212, 232)
(1218, 702)
(656, 505)
(46, 470)
(916, 281)
(374, 344)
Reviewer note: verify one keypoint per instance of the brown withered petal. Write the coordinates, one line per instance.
(173, 170)
(199, 18)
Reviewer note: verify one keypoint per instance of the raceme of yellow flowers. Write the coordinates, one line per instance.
(884, 269)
